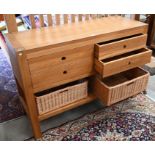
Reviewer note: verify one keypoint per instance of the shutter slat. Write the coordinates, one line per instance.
(41, 20)
(49, 17)
(32, 20)
(57, 19)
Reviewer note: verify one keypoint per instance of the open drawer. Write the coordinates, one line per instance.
(117, 64)
(118, 46)
(121, 86)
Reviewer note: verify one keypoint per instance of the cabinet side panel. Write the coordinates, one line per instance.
(14, 62)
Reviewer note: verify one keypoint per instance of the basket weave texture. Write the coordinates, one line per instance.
(62, 97)
(127, 89)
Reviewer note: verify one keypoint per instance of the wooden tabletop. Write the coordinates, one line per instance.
(46, 36)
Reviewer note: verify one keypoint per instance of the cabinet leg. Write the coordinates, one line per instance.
(35, 126)
(31, 110)
(29, 97)
(33, 116)
(145, 92)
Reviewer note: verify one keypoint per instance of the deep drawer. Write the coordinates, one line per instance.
(119, 46)
(117, 64)
(121, 86)
(56, 99)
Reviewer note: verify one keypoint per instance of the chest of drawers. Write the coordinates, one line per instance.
(50, 57)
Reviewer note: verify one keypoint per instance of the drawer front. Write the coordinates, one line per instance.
(123, 62)
(57, 58)
(121, 86)
(62, 67)
(112, 48)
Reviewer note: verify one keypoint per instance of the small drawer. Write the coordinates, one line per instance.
(117, 64)
(118, 46)
(121, 86)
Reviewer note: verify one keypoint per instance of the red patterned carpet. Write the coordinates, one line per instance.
(130, 120)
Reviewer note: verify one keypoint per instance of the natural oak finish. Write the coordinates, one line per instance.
(81, 31)
(10, 19)
(60, 67)
(52, 56)
(1, 17)
(32, 20)
(123, 45)
(50, 21)
(117, 64)
(41, 20)
(29, 96)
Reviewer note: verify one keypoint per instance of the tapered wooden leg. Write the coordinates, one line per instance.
(33, 115)
(28, 94)
(35, 124)
(30, 110)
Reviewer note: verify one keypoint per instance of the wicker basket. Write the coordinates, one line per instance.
(123, 85)
(61, 97)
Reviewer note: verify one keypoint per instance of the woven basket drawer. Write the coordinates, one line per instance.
(121, 86)
(62, 97)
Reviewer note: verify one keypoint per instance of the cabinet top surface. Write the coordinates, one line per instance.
(46, 36)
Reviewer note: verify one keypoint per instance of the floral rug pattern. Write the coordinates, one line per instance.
(10, 105)
(132, 119)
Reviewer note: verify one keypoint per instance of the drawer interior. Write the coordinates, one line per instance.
(119, 39)
(124, 77)
(124, 55)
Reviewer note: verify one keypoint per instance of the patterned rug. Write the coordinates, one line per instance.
(10, 106)
(130, 120)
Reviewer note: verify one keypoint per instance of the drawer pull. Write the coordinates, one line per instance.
(124, 46)
(129, 63)
(63, 58)
(64, 72)
(63, 91)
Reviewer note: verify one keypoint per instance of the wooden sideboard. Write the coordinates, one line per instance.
(52, 56)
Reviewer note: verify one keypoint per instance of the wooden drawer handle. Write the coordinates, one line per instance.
(129, 63)
(124, 46)
(64, 72)
(63, 58)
